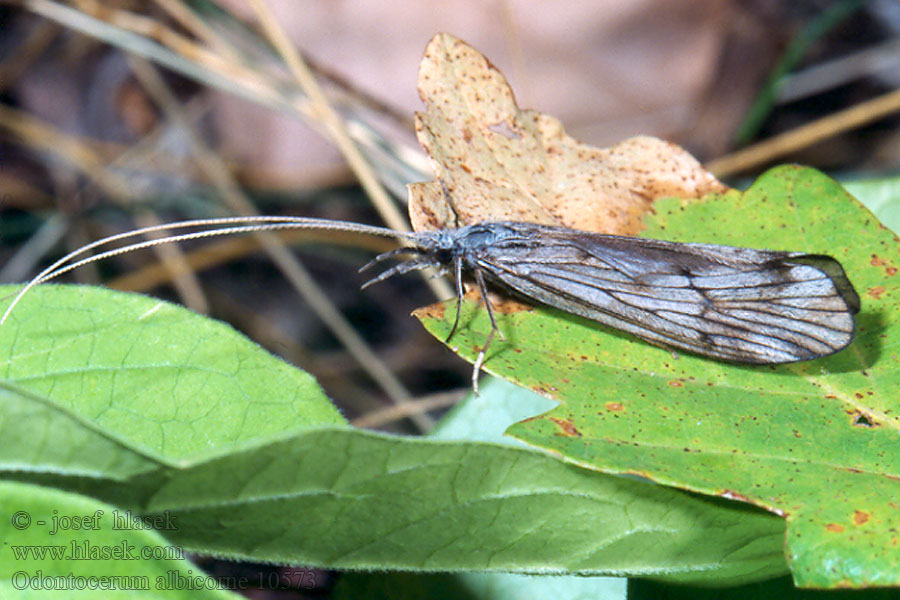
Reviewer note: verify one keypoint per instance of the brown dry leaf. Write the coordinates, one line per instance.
(494, 162)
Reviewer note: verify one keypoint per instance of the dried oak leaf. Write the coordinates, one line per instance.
(495, 162)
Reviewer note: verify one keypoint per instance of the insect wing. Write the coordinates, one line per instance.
(734, 304)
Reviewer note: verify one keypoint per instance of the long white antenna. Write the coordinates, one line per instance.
(234, 225)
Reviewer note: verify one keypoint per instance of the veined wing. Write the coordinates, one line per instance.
(734, 304)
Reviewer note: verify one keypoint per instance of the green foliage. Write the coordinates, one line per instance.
(815, 442)
(124, 400)
(881, 196)
(154, 375)
(57, 544)
(101, 398)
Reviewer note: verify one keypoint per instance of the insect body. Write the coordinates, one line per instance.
(732, 304)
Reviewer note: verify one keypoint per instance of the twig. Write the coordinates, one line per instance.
(289, 265)
(805, 136)
(323, 112)
(151, 39)
(408, 409)
(78, 153)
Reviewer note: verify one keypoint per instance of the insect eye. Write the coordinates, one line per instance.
(445, 255)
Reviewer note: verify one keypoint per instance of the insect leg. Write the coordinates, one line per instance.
(482, 289)
(390, 254)
(457, 270)
(440, 271)
(416, 264)
(479, 362)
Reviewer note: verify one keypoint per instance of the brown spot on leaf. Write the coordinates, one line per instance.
(501, 304)
(676, 383)
(860, 517)
(567, 427)
(876, 292)
(889, 269)
(834, 527)
(507, 306)
(615, 406)
(432, 311)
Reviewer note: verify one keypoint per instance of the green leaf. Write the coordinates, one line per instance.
(343, 498)
(76, 546)
(881, 196)
(173, 385)
(350, 499)
(815, 442)
(486, 416)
